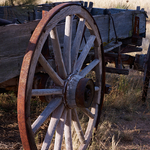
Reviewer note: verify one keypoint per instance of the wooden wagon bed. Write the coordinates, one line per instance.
(14, 38)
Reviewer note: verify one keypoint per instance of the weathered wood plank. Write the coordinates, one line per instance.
(116, 70)
(10, 67)
(88, 68)
(123, 24)
(88, 112)
(77, 42)
(57, 53)
(67, 131)
(50, 71)
(14, 40)
(44, 92)
(52, 126)
(77, 126)
(67, 43)
(111, 46)
(47, 111)
(60, 131)
(84, 53)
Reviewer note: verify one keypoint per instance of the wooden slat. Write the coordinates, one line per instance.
(77, 126)
(50, 71)
(10, 67)
(111, 46)
(14, 40)
(77, 42)
(68, 136)
(89, 131)
(44, 92)
(47, 111)
(57, 53)
(123, 24)
(67, 43)
(88, 68)
(18, 37)
(52, 126)
(88, 112)
(84, 53)
(116, 70)
(59, 131)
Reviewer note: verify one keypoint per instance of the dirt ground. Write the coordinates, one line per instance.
(137, 126)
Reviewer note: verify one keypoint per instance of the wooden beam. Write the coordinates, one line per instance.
(117, 71)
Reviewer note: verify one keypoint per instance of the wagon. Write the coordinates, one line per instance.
(53, 58)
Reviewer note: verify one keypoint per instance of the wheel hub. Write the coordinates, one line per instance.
(79, 92)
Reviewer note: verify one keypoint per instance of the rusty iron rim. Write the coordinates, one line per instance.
(22, 118)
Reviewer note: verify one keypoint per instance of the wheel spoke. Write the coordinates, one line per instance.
(50, 71)
(68, 137)
(84, 53)
(57, 53)
(44, 92)
(47, 111)
(93, 111)
(77, 42)
(63, 73)
(67, 43)
(87, 69)
(96, 88)
(59, 131)
(87, 112)
(77, 126)
(90, 126)
(52, 126)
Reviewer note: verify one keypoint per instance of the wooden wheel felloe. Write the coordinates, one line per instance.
(69, 79)
(146, 75)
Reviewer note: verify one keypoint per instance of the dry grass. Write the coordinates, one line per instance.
(123, 101)
(132, 4)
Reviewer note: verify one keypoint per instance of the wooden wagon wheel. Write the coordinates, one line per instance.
(73, 91)
(146, 75)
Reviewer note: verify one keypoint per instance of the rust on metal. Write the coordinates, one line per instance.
(23, 98)
(23, 129)
(135, 36)
(45, 49)
(85, 92)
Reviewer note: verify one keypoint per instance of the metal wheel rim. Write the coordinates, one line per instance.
(27, 74)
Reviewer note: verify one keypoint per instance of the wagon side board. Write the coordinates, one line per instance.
(13, 43)
(124, 22)
(14, 38)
